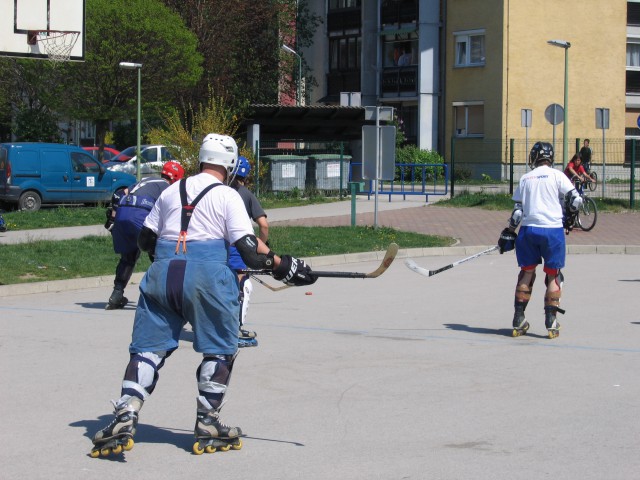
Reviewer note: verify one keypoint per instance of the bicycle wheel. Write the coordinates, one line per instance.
(588, 214)
(593, 185)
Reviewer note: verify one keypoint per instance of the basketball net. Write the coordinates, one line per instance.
(58, 45)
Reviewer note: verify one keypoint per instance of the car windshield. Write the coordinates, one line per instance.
(126, 154)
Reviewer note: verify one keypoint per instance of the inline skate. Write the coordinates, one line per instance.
(116, 300)
(118, 435)
(211, 434)
(520, 325)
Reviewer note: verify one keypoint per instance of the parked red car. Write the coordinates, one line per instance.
(107, 155)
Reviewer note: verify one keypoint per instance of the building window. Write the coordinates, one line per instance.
(633, 13)
(344, 53)
(400, 53)
(633, 53)
(339, 4)
(469, 48)
(468, 119)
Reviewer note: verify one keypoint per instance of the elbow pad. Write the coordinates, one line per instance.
(247, 247)
(147, 240)
(516, 216)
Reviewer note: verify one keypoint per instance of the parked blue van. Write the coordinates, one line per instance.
(35, 173)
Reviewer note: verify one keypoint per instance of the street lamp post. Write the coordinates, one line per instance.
(565, 129)
(299, 89)
(136, 66)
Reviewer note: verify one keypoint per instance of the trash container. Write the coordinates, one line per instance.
(287, 172)
(327, 168)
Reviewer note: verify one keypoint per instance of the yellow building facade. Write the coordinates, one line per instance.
(498, 62)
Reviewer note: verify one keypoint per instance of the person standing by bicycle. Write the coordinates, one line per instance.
(575, 168)
(585, 153)
(538, 211)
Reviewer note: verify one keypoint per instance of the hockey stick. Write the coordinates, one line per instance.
(270, 287)
(429, 273)
(392, 251)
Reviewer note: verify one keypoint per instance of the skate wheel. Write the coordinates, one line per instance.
(515, 333)
(238, 446)
(197, 449)
(105, 452)
(94, 453)
(210, 449)
(117, 450)
(225, 448)
(128, 445)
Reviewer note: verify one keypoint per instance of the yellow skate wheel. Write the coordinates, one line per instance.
(238, 446)
(94, 453)
(515, 333)
(210, 449)
(197, 449)
(105, 452)
(225, 448)
(128, 445)
(117, 449)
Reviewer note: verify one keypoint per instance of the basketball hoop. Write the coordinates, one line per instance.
(56, 44)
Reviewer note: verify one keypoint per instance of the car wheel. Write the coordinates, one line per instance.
(30, 201)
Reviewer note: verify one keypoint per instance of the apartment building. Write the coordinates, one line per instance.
(465, 69)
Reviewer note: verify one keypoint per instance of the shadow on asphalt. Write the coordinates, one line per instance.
(101, 305)
(502, 332)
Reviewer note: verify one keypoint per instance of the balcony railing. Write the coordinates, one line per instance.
(343, 82)
(400, 81)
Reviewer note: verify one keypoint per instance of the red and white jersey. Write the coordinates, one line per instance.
(540, 192)
(220, 214)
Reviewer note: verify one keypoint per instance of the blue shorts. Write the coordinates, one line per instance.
(535, 244)
(126, 228)
(196, 287)
(235, 260)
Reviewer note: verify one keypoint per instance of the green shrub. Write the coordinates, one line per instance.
(411, 154)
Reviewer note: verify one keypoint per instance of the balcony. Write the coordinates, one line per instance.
(341, 20)
(400, 82)
(343, 82)
(399, 11)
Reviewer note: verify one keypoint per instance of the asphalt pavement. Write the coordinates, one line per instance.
(401, 376)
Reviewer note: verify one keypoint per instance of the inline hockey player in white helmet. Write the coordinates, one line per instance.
(188, 230)
(539, 213)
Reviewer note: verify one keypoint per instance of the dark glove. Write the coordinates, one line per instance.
(293, 272)
(109, 223)
(507, 240)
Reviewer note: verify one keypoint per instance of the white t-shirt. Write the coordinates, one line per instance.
(220, 214)
(540, 192)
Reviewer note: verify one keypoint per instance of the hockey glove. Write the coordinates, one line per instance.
(109, 223)
(293, 271)
(507, 240)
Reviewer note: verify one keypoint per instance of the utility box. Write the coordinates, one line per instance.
(329, 169)
(288, 172)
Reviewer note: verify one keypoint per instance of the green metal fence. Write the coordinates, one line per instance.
(500, 164)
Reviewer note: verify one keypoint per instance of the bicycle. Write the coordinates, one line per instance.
(587, 215)
(591, 185)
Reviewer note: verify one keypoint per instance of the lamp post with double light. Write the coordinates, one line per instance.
(299, 89)
(565, 129)
(136, 66)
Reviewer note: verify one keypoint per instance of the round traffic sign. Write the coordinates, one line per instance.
(554, 114)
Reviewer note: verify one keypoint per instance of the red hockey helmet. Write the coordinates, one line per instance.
(173, 171)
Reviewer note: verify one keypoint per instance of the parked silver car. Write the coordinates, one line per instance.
(152, 158)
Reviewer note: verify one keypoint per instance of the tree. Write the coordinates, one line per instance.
(139, 31)
(240, 42)
(183, 130)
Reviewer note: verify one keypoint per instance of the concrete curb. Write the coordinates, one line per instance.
(348, 258)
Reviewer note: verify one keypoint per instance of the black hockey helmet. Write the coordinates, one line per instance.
(541, 151)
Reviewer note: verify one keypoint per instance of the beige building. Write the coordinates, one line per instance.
(499, 62)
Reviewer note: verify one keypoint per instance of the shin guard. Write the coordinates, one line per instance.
(213, 378)
(141, 375)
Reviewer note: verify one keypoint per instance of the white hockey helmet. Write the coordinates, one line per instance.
(219, 150)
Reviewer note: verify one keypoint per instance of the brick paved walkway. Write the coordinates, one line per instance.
(475, 226)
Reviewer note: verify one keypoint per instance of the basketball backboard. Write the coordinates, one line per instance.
(20, 20)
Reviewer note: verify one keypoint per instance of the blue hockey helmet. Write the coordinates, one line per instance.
(244, 168)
